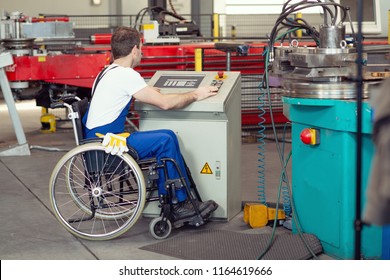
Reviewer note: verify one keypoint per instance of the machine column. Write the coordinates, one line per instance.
(22, 149)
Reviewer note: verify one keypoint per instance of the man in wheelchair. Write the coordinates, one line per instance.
(112, 94)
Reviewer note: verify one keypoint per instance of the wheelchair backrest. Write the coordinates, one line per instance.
(80, 107)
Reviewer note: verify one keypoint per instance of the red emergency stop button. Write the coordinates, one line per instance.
(310, 136)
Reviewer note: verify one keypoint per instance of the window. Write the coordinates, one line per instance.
(371, 15)
(261, 7)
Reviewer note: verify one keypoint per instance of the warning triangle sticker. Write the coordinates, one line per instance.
(206, 169)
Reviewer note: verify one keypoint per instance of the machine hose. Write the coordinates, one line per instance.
(286, 199)
(261, 153)
(285, 188)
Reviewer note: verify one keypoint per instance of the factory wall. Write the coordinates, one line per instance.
(183, 7)
(85, 7)
(36, 7)
(266, 11)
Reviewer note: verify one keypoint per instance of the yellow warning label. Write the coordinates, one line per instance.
(206, 169)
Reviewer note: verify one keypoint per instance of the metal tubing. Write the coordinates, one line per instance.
(228, 60)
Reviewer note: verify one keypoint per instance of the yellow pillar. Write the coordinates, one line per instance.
(216, 26)
(388, 28)
(198, 60)
(298, 32)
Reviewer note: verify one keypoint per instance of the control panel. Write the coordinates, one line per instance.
(186, 81)
(209, 133)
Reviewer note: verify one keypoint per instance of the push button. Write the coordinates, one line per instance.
(216, 83)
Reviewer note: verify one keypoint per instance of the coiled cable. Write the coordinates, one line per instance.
(261, 153)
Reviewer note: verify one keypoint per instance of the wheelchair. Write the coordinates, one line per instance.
(99, 196)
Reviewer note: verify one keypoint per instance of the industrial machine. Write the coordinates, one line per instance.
(320, 99)
(209, 133)
(165, 27)
(49, 62)
(60, 65)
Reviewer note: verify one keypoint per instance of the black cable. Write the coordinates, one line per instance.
(138, 15)
(293, 8)
(172, 7)
(162, 15)
(148, 10)
(310, 30)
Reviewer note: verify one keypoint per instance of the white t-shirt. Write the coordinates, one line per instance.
(112, 94)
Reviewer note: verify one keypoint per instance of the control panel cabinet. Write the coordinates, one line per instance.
(209, 133)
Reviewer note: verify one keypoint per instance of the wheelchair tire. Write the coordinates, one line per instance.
(95, 195)
(160, 228)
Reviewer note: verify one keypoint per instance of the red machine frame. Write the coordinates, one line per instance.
(80, 69)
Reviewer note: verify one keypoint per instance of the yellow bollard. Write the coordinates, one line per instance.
(198, 59)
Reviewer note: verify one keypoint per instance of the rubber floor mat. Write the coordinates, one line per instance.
(231, 245)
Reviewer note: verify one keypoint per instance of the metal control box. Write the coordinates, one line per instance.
(209, 133)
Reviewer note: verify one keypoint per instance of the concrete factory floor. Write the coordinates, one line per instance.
(29, 230)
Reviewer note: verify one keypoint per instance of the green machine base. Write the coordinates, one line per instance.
(324, 175)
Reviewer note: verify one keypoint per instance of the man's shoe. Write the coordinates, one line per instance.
(183, 210)
(207, 207)
(186, 209)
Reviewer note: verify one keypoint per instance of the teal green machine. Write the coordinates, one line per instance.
(319, 98)
(323, 174)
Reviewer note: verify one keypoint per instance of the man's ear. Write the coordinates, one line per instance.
(134, 50)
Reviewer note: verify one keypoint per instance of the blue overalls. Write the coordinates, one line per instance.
(161, 143)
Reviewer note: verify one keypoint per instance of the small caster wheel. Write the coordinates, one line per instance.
(160, 228)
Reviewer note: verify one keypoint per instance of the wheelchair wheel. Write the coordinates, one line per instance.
(95, 195)
(160, 228)
(76, 193)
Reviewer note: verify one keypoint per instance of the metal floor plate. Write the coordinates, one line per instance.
(231, 245)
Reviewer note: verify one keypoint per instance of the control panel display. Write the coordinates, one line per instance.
(179, 81)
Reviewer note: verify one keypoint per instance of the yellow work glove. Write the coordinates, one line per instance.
(115, 143)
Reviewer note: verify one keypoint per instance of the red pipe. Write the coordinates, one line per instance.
(47, 19)
(101, 39)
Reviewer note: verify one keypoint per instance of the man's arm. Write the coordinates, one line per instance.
(153, 96)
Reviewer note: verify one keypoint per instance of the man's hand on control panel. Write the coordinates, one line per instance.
(204, 92)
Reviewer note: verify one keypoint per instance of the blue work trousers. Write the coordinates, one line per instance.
(161, 143)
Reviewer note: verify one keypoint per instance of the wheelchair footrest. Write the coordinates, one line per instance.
(192, 221)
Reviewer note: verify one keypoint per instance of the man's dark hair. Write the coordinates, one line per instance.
(123, 41)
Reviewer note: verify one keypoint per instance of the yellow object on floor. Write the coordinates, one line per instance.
(258, 215)
(48, 122)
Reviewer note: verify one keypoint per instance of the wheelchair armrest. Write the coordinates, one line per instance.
(91, 140)
(132, 152)
(147, 161)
